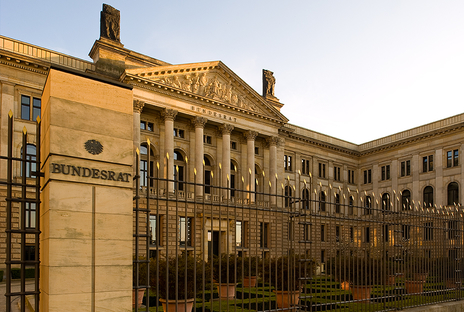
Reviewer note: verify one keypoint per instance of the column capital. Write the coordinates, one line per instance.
(250, 135)
(226, 128)
(274, 141)
(169, 114)
(199, 122)
(138, 106)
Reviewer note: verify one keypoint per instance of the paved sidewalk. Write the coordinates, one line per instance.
(15, 300)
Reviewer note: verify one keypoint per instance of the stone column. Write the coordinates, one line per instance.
(226, 129)
(169, 116)
(138, 107)
(250, 170)
(199, 123)
(273, 142)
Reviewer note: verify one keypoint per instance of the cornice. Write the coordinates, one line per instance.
(22, 64)
(189, 96)
(413, 139)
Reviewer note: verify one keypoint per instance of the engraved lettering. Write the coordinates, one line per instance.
(76, 171)
(95, 173)
(104, 175)
(87, 172)
(111, 175)
(56, 168)
(126, 177)
(63, 171)
(120, 177)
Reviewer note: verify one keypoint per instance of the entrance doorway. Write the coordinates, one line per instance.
(213, 242)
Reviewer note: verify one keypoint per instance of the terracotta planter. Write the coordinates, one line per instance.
(287, 299)
(361, 292)
(421, 276)
(140, 298)
(414, 287)
(249, 281)
(345, 285)
(226, 290)
(391, 280)
(181, 305)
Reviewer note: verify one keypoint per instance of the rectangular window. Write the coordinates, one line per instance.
(452, 229)
(153, 229)
(427, 163)
(307, 232)
(143, 125)
(185, 231)
(288, 163)
(367, 176)
(337, 233)
(36, 106)
(367, 235)
(321, 170)
(207, 139)
(428, 231)
(256, 150)
(322, 256)
(305, 166)
(337, 174)
(264, 235)
(233, 145)
(386, 172)
(238, 234)
(406, 168)
(290, 230)
(406, 231)
(351, 176)
(27, 110)
(322, 233)
(149, 126)
(452, 158)
(351, 234)
(179, 133)
(386, 233)
(30, 211)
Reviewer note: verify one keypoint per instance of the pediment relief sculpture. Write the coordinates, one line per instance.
(210, 86)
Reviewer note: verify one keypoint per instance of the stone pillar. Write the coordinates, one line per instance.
(87, 197)
(250, 170)
(169, 116)
(199, 123)
(273, 142)
(226, 129)
(138, 107)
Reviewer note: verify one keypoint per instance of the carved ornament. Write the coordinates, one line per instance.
(200, 122)
(226, 129)
(169, 114)
(251, 135)
(274, 141)
(109, 23)
(138, 106)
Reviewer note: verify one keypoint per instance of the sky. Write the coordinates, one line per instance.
(354, 70)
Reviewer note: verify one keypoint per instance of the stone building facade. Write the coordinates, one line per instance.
(201, 118)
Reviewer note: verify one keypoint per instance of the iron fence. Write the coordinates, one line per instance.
(22, 217)
(231, 249)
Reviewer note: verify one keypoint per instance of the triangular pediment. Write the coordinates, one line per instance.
(213, 81)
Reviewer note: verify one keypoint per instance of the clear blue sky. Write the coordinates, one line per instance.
(355, 70)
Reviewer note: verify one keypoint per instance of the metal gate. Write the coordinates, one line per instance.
(23, 194)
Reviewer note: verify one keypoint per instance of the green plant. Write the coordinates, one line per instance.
(181, 274)
(226, 268)
(142, 272)
(251, 266)
(358, 271)
(284, 273)
(28, 273)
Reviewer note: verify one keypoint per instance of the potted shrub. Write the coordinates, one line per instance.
(226, 271)
(284, 274)
(142, 281)
(416, 274)
(177, 288)
(363, 273)
(249, 265)
(339, 268)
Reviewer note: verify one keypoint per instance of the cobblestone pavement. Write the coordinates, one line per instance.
(15, 287)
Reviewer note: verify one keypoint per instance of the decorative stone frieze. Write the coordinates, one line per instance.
(138, 106)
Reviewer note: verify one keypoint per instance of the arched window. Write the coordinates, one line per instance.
(385, 202)
(305, 197)
(350, 205)
(337, 203)
(453, 194)
(406, 200)
(367, 205)
(144, 165)
(322, 201)
(179, 170)
(288, 196)
(207, 177)
(31, 157)
(428, 196)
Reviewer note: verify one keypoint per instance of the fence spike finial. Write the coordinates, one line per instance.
(38, 119)
(24, 130)
(137, 151)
